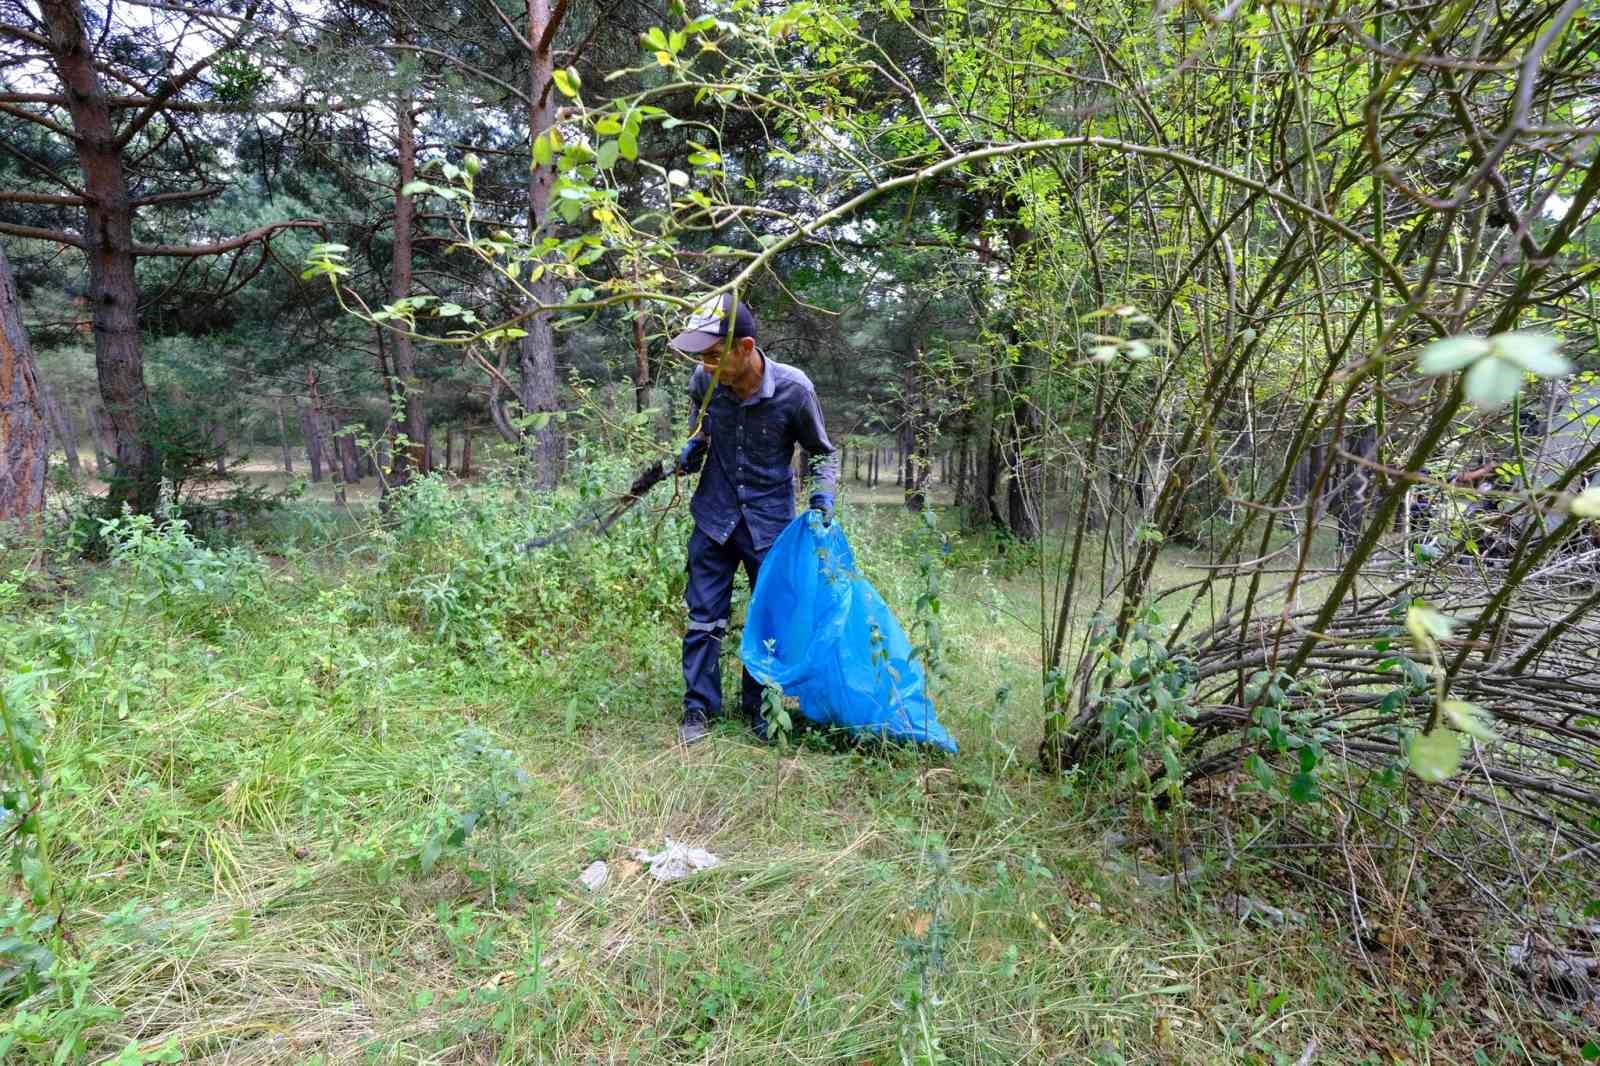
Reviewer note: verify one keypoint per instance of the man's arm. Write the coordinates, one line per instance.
(693, 455)
(822, 459)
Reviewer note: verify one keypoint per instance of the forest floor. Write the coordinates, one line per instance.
(321, 812)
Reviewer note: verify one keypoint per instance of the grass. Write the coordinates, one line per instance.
(245, 783)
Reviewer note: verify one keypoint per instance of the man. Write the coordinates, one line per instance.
(758, 411)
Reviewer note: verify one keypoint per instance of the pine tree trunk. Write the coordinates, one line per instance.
(283, 436)
(350, 453)
(536, 351)
(24, 435)
(108, 233)
(308, 431)
(219, 441)
(466, 452)
(102, 455)
(641, 363)
(60, 419)
(412, 459)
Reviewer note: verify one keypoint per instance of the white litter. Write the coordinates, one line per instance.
(676, 860)
(594, 876)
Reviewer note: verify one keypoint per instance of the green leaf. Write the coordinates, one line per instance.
(628, 145)
(606, 156)
(1590, 1052)
(412, 188)
(1593, 909)
(1451, 354)
(543, 151)
(1586, 504)
(566, 81)
(1533, 352)
(609, 126)
(1426, 624)
(1435, 756)
(1492, 383)
(1469, 718)
(1303, 788)
(655, 38)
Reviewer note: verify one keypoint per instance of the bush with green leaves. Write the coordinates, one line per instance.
(182, 577)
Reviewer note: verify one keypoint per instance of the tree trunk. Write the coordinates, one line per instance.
(449, 449)
(350, 457)
(106, 442)
(536, 350)
(60, 419)
(283, 436)
(108, 236)
(24, 436)
(641, 363)
(315, 448)
(219, 441)
(466, 452)
(308, 430)
(917, 432)
(102, 456)
(412, 459)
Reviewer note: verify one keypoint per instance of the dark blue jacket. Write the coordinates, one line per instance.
(748, 471)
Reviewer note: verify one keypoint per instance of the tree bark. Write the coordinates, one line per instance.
(219, 441)
(105, 436)
(60, 419)
(917, 432)
(283, 436)
(536, 350)
(350, 456)
(412, 459)
(108, 239)
(466, 452)
(102, 461)
(641, 363)
(24, 435)
(308, 430)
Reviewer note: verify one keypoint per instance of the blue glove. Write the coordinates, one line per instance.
(688, 458)
(822, 502)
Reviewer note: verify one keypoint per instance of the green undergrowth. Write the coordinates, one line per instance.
(325, 798)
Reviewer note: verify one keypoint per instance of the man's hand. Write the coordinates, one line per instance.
(822, 503)
(690, 452)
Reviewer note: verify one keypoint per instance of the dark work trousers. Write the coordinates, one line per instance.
(708, 595)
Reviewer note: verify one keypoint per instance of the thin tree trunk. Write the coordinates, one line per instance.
(449, 448)
(60, 419)
(412, 459)
(283, 436)
(219, 441)
(308, 431)
(106, 443)
(641, 363)
(313, 426)
(466, 451)
(102, 459)
(536, 351)
(24, 436)
(108, 233)
(916, 432)
(350, 453)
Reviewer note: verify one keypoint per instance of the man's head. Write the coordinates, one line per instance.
(728, 354)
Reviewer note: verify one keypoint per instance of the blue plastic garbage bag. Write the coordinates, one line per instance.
(821, 631)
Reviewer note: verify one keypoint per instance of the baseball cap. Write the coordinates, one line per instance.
(709, 324)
